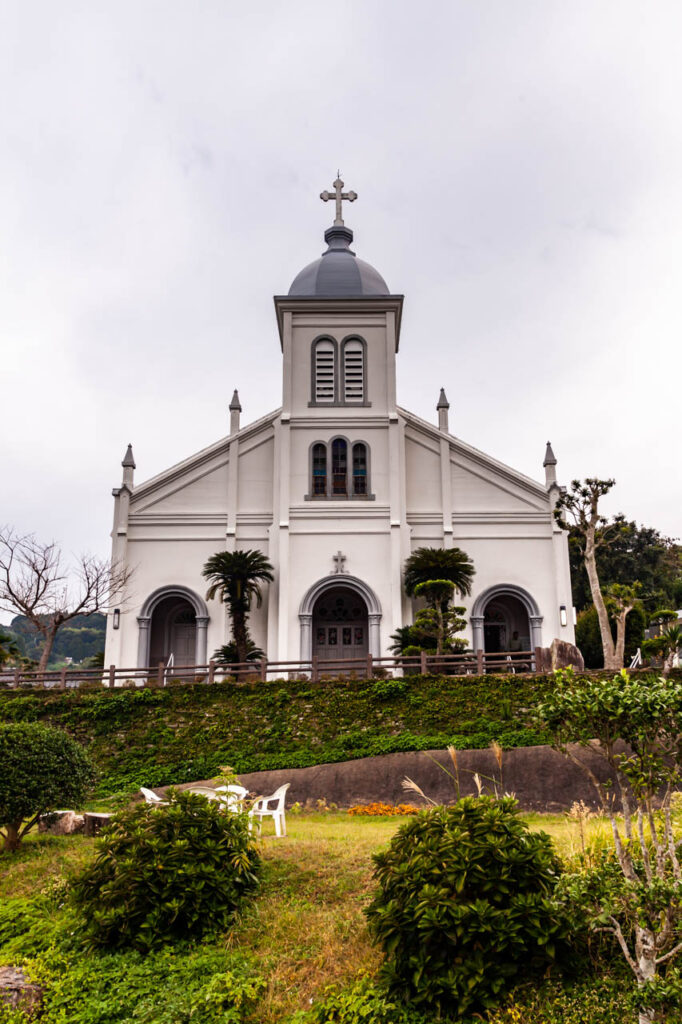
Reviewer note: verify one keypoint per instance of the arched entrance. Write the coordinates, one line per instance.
(506, 618)
(173, 632)
(174, 620)
(340, 625)
(353, 593)
(506, 625)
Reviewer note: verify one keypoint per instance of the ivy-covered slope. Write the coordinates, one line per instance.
(182, 733)
(186, 732)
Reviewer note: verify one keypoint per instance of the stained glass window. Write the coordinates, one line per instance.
(319, 469)
(339, 467)
(359, 469)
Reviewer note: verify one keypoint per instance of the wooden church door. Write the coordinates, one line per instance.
(340, 626)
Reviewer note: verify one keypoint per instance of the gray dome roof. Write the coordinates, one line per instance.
(338, 271)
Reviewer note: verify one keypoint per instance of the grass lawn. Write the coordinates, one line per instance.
(306, 930)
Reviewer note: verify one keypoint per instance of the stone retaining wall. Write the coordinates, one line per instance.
(539, 777)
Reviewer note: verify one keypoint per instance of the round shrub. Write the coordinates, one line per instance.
(464, 908)
(41, 769)
(178, 871)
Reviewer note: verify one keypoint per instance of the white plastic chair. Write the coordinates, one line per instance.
(263, 809)
(206, 791)
(232, 797)
(150, 797)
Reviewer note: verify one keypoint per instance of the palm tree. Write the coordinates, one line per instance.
(235, 578)
(228, 654)
(426, 564)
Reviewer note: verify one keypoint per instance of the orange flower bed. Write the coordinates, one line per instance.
(379, 809)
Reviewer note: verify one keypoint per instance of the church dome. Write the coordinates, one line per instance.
(338, 272)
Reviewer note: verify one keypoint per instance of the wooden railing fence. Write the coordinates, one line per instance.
(472, 663)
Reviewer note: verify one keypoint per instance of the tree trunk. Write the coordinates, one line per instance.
(647, 972)
(620, 636)
(12, 838)
(441, 630)
(47, 650)
(240, 634)
(610, 658)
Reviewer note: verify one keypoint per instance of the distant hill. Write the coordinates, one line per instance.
(82, 637)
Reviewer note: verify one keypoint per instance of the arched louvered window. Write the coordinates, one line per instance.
(359, 469)
(319, 483)
(354, 370)
(339, 467)
(324, 370)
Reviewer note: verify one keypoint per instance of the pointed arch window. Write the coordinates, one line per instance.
(339, 468)
(359, 470)
(354, 370)
(324, 371)
(319, 481)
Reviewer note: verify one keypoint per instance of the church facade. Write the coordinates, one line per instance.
(336, 487)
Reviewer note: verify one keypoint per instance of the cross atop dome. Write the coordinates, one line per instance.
(338, 272)
(339, 195)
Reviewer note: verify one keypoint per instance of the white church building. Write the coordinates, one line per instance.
(336, 487)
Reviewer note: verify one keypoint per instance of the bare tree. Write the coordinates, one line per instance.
(578, 510)
(35, 582)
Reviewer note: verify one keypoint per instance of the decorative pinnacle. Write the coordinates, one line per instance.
(128, 460)
(338, 194)
(235, 403)
(442, 401)
(550, 458)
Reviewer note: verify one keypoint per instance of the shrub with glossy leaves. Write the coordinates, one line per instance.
(363, 1003)
(178, 871)
(41, 769)
(465, 906)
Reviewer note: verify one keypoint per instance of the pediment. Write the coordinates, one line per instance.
(479, 483)
(200, 482)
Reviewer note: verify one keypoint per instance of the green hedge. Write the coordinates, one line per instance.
(185, 732)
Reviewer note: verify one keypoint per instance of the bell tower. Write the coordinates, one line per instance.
(339, 329)
(339, 436)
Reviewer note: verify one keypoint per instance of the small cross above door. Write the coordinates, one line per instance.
(339, 560)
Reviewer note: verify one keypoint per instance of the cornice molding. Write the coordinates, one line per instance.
(334, 304)
(177, 518)
(336, 422)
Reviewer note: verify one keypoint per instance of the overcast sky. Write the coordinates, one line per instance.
(519, 172)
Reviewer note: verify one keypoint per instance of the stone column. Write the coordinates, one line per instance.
(477, 641)
(535, 631)
(306, 620)
(200, 653)
(374, 637)
(143, 622)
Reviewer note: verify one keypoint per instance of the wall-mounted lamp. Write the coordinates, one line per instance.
(562, 615)
(117, 617)
(575, 616)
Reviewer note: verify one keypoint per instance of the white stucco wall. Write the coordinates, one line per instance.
(251, 490)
